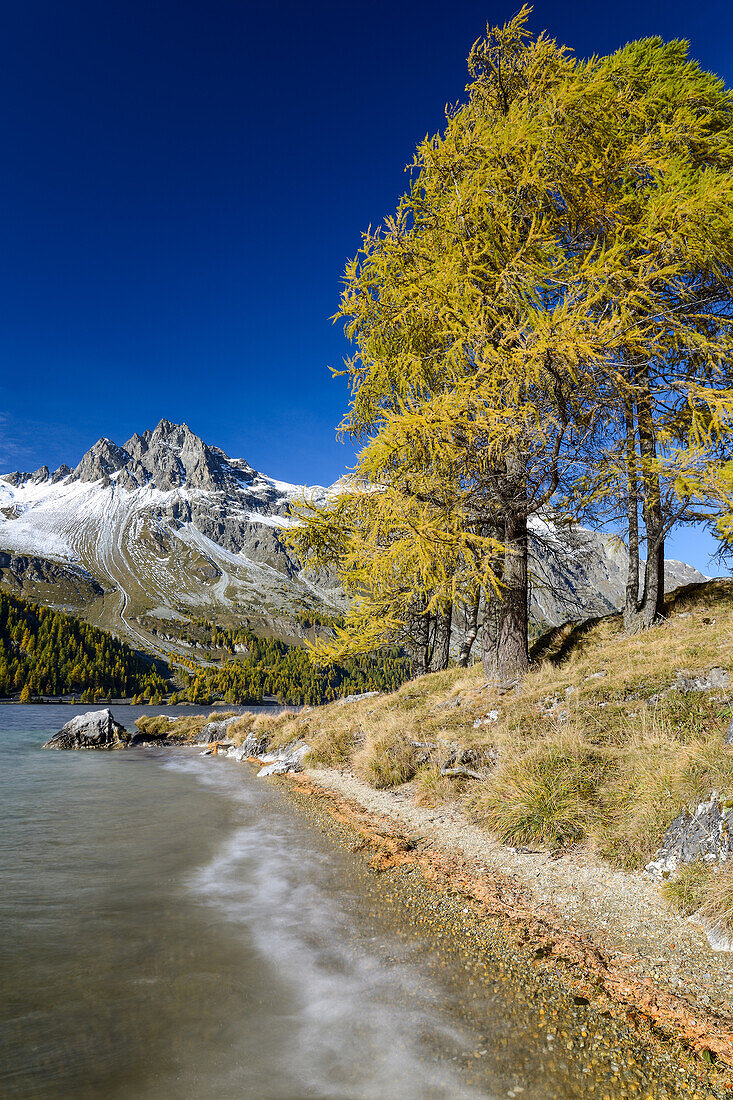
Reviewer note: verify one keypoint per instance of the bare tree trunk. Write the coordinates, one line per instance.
(631, 605)
(421, 640)
(470, 629)
(651, 606)
(512, 662)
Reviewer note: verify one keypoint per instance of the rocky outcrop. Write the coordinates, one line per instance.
(30, 575)
(215, 731)
(704, 834)
(714, 679)
(285, 760)
(281, 761)
(100, 462)
(97, 729)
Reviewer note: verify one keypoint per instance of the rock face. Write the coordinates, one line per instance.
(704, 834)
(32, 577)
(97, 729)
(214, 731)
(279, 762)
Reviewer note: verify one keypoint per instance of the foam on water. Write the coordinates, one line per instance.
(365, 1021)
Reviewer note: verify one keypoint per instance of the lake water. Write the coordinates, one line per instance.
(172, 928)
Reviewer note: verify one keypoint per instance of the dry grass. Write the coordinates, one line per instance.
(687, 892)
(190, 725)
(703, 889)
(717, 909)
(432, 788)
(547, 794)
(585, 755)
(387, 756)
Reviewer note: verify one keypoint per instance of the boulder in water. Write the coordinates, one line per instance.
(97, 729)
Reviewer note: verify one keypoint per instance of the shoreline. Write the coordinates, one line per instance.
(563, 957)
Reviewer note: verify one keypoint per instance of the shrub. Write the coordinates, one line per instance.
(546, 795)
(432, 788)
(717, 909)
(387, 757)
(687, 891)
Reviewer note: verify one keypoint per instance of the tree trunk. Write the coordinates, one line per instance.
(631, 604)
(509, 661)
(470, 630)
(512, 662)
(420, 643)
(441, 649)
(650, 609)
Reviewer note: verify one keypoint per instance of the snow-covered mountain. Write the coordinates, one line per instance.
(160, 528)
(167, 528)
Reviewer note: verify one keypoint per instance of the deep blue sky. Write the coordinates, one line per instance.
(183, 181)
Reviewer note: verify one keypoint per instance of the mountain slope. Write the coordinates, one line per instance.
(166, 528)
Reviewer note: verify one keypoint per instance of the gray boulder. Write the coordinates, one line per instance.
(704, 834)
(713, 680)
(214, 731)
(287, 759)
(356, 698)
(97, 729)
(251, 746)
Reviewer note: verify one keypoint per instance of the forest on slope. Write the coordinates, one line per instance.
(47, 653)
(44, 652)
(268, 667)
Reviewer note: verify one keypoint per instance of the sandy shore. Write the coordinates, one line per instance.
(584, 938)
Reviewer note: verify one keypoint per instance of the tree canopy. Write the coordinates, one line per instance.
(543, 326)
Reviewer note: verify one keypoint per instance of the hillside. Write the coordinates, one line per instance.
(609, 739)
(250, 669)
(140, 539)
(44, 653)
(47, 653)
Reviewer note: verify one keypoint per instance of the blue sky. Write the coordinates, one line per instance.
(183, 183)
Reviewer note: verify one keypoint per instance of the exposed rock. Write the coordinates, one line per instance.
(466, 762)
(97, 729)
(492, 716)
(23, 573)
(717, 679)
(214, 731)
(280, 767)
(713, 680)
(461, 773)
(251, 746)
(729, 733)
(287, 759)
(704, 834)
(450, 704)
(356, 698)
(101, 461)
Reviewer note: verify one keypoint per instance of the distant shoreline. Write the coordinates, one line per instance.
(57, 702)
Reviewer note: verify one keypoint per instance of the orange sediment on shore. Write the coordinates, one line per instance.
(586, 967)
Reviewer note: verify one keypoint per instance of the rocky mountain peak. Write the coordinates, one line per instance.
(101, 461)
(170, 456)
